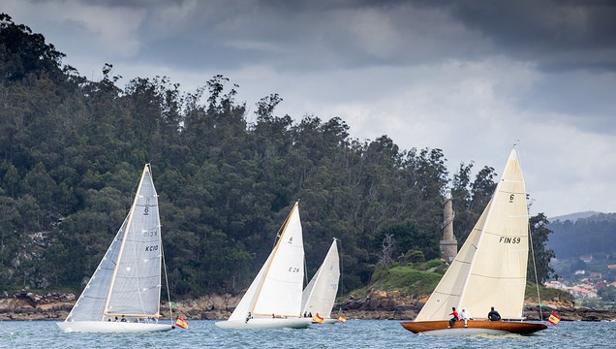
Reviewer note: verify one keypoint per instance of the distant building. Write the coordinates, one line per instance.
(586, 259)
(611, 266)
(449, 244)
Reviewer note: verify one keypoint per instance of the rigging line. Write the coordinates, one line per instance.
(532, 249)
(162, 250)
(305, 271)
(341, 288)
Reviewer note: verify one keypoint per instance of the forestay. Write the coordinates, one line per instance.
(320, 294)
(490, 269)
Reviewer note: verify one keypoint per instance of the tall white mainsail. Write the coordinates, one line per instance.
(136, 283)
(127, 281)
(277, 289)
(490, 269)
(320, 294)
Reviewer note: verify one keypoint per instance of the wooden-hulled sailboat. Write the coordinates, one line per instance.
(320, 294)
(123, 294)
(274, 298)
(489, 270)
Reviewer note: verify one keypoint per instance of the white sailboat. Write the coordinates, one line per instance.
(274, 298)
(489, 270)
(123, 294)
(320, 294)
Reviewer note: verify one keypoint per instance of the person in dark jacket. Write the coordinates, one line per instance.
(454, 316)
(493, 315)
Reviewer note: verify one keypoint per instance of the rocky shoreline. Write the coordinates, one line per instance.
(376, 305)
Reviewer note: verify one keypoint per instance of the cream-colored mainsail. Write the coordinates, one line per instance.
(320, 293)
(490, 269)
(277, 289)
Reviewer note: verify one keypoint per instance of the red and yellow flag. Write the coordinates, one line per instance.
(181, 322)
(554, 319)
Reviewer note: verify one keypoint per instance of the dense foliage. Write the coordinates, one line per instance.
(584, 236)
(71, 151)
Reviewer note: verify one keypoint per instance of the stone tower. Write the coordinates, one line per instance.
(449, 245)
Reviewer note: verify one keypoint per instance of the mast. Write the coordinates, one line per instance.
(130, 218)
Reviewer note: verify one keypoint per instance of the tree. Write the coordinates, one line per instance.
(543, 255)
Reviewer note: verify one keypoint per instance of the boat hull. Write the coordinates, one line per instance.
(474, 327)
(111, 327)
(265, 323)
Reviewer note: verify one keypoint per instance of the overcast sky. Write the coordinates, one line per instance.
(470, 77)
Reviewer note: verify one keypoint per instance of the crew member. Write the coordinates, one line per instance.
(454, 316)
(465, 316)
(493, 315)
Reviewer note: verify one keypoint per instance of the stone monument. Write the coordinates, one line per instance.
(449, 245)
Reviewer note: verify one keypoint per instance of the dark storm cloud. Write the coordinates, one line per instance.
(559, 35)
(319, 34)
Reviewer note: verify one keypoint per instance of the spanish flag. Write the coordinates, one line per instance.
(317, 319)
(554, 319)
(181, 322)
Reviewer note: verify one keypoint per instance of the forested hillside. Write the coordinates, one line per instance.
(71, 152)
(594, 234)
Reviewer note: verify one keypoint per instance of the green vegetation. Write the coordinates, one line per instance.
(410, 279)
(420, 279)
(547, 294)
(71, 151)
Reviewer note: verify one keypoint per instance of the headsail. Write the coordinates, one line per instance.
(91, 303)
(448, 291)
(490, 269)
(320, 294)
(246, 303)
(136, 283)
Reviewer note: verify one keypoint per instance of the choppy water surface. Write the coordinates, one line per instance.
(353, 334)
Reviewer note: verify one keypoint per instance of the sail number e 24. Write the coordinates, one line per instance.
(509, 240)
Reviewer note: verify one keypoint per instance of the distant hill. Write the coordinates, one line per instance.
(574, 216)
(578, 234)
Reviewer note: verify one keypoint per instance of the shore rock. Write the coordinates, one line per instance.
(377, 305)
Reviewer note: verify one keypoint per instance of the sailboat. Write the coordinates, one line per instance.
(123, 294)
(274, 298)
(489, 270)
(320, 294)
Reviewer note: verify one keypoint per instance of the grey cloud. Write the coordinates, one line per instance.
(558, 35)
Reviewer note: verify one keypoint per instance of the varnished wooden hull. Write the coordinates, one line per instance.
(474, 327)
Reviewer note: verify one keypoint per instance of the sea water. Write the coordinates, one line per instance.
(352, 334)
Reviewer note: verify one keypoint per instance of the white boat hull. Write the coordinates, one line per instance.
(111, 327)
(265, 323)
